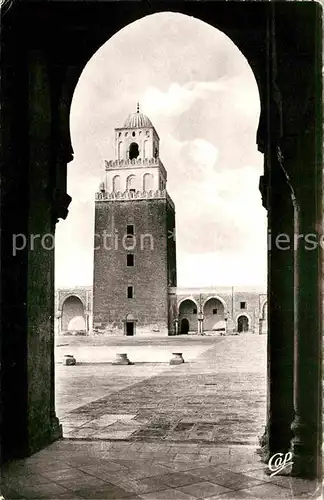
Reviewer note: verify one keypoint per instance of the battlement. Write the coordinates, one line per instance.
(137, 195)
(136, 162)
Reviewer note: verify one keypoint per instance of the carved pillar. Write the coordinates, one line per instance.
(277, 196)
(260, 326)
(280, 310)
(307, 424)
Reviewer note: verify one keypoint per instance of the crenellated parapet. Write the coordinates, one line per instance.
(135, 162)
(130, 195)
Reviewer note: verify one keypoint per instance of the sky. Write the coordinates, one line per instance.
(202, 98)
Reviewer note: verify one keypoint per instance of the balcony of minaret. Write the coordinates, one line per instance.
(103, 195)
(135, 163)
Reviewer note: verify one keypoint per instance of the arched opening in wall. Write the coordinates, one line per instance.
(205, 114)
(242, 324)
(133, 151)
(187, 316)
(148, 182)
(184, 326)
(214, 316)
(131, 183)
(116, 183)
(73, 316)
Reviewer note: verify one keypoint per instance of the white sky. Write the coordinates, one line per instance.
(201, 95)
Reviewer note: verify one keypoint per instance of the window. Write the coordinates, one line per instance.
(130, 230)
(130, 292)
(130, 260)
(133, 134)
(133, 151)
(214, 311)
(243, 305)
(194, 310)
(132, 191)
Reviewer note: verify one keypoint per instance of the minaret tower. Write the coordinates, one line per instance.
(134, 244)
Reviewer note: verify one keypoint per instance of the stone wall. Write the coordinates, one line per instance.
(148, 276)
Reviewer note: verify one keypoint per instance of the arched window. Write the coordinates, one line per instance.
(133, 151)
(145, 149)
(131, 183)
(120, 150)
(147, 182)
(116, 183)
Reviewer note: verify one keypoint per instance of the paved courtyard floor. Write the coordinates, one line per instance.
(216, 396)
(154, 431)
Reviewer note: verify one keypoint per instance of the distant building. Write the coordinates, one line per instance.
(222, 310)
(135, 254)
(135, 277)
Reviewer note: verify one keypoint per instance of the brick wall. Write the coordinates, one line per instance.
(149, 276)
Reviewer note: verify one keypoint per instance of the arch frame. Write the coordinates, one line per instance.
(216, 297)
(247, 315)
(191, 299)
(262, 309)
(72, 294)
(32, 29)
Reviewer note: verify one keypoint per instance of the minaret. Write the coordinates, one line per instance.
(135, 251)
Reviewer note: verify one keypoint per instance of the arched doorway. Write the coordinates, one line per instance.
(73, 317)
(184, 326)
(242, 324)
(188, 316)
(300, 154)
(214, 316)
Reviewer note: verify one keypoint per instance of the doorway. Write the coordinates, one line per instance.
(130, 328)
(184, 329)
(242, 324)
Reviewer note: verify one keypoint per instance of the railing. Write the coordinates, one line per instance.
(133, 195)
(141, 162)
(136, 162)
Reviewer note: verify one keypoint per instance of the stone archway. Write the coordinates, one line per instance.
(243, 324)
(214, 315)
(272, 37)
(188, 321)
(73, 316)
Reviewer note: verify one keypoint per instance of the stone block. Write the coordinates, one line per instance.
(122, 359)
(69, 360)
(177, 358)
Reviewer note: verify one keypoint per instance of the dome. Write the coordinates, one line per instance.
(137, 120)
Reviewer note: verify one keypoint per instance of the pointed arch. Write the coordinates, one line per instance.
(148, 182)
(116, 184)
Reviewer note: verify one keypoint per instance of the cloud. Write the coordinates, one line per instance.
(202, 97)
(217, 269)
(178, 98)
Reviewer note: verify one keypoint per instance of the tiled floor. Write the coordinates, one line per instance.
(75, 469)
(152, 431)
(217, 397)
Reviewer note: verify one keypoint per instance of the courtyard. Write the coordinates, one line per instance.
(155, 431)
(216, 396)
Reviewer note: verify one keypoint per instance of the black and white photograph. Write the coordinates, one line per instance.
(162, 243)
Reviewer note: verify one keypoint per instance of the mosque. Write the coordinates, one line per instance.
(134, 288)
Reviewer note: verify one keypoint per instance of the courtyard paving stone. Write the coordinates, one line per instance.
(219, 394)
(197, 408)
